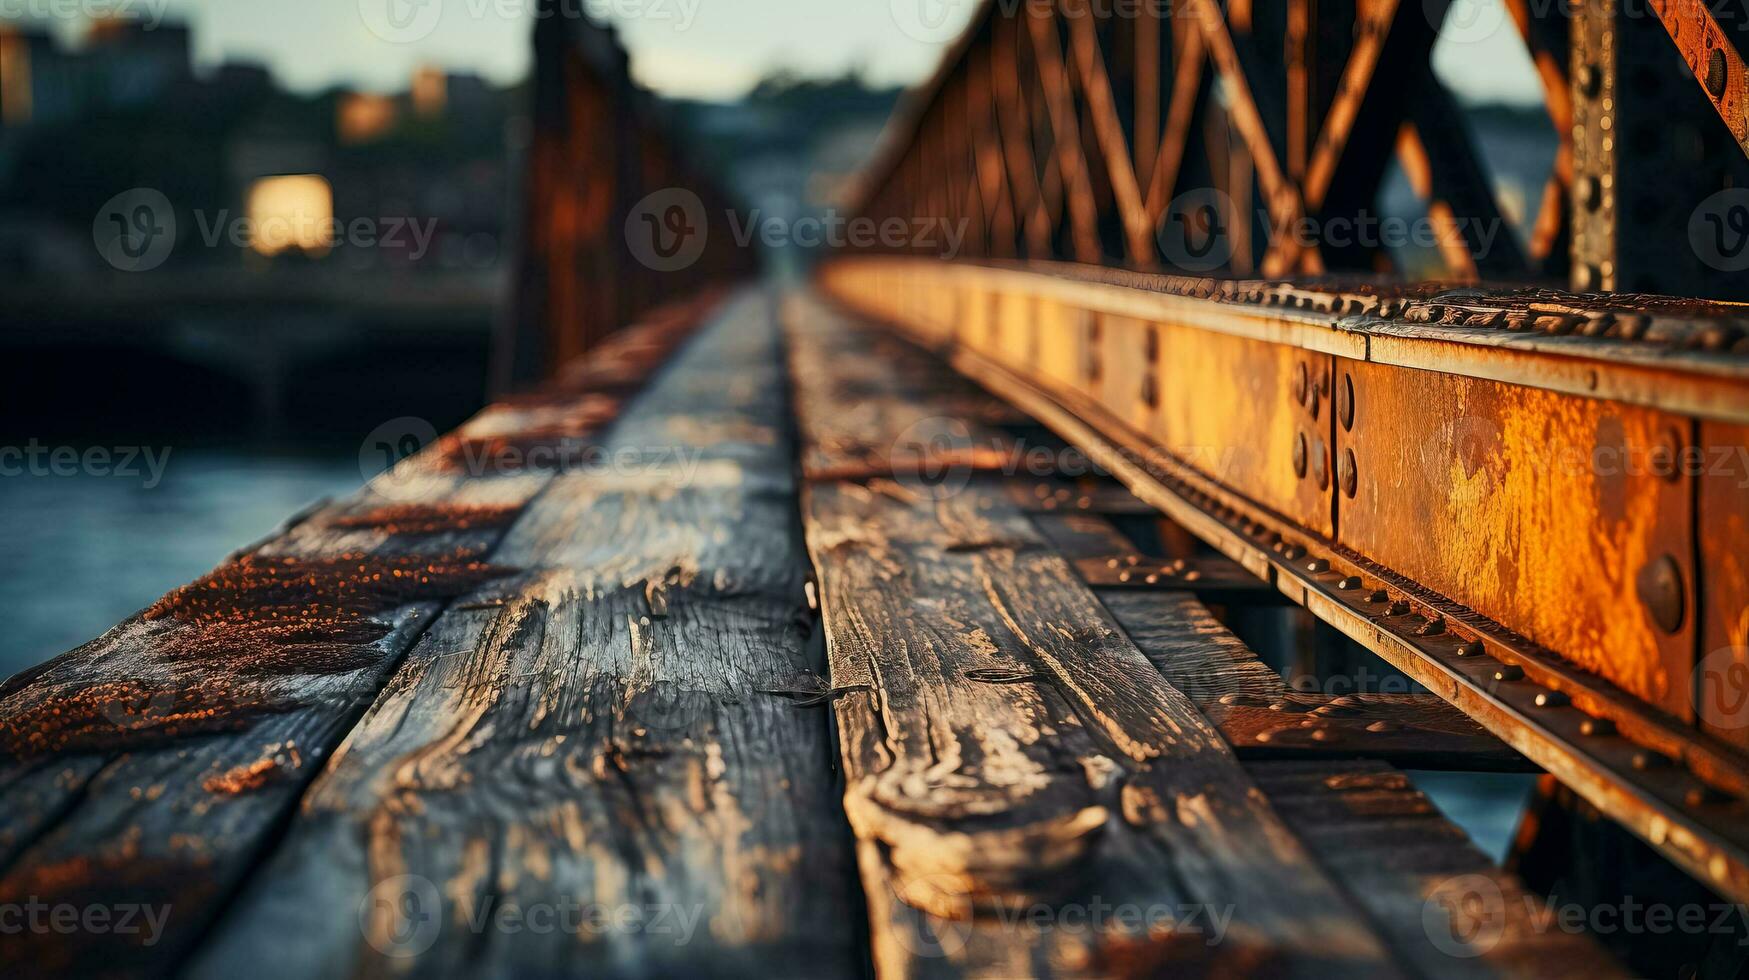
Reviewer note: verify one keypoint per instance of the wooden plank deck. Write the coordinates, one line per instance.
(608, 721)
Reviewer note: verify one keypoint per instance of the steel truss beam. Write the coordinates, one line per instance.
(1530, 502)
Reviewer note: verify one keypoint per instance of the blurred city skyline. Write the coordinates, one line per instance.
(699, 49)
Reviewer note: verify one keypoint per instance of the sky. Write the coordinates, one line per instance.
(714, 49)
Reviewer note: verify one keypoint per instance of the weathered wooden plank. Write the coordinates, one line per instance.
(160, 758)
(1007, 750)
(1438, 900)
(1249, 702)
(884, 408)
(624, 728)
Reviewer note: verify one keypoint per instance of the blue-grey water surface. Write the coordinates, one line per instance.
(81, 553)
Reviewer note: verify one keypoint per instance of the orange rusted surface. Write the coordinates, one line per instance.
(1252, 415)
(1538, 510)
(1504, 441)
(129, 714)
(222, 643)
(256, 589)
(422, 519)
(1712, 57)
(1721, 681)
(278, 761)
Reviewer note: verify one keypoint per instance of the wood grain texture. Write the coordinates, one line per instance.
(1007, 749)
(1250, 703)
(883, 407)
(151, 766)
(1438, 900)
(627, 728)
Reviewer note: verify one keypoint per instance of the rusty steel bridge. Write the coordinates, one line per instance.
(865, 687)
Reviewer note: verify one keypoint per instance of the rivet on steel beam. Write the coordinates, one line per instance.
(1666, 453)
(1552, 699)
(1379, 595)
(1509, 672)
(1590, 80)
(1646, 760)
(1398, 608)
(1300, 455)
(1473, 648)
(1597, 727)
(1317, 565)
(1345, 402)
(1432, 627)
(1349, 584)
(1660, 588)
(1703, 794)
(1291, 552)
(1591, 192)
(1125, 575)
(1350, 474)
(1321, 464)
(1716, 74)
(1152, 579)
(1302, 381)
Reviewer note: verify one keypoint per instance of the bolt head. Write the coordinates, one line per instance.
(1590, 80)
(1345, 402)
(1666, 453)
(1660, 588)
(1350, 474)
(1301, 455)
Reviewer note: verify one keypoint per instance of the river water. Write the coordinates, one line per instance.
(83, 552)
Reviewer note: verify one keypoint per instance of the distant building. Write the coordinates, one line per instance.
(228, 145)
(136, 65)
